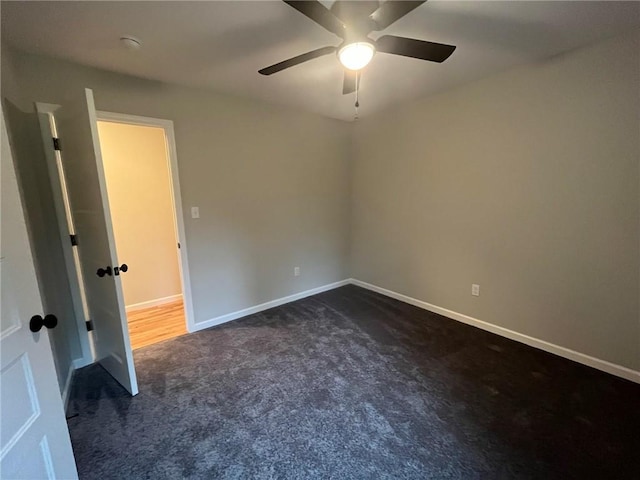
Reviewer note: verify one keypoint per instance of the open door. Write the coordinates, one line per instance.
(80, 150)
(34, 440)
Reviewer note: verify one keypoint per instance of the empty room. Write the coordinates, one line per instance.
(320, 239)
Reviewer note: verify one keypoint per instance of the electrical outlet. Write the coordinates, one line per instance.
(475, 290)
(195, 212)
(296, 271)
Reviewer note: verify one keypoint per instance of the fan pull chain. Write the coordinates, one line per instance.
(357, 90)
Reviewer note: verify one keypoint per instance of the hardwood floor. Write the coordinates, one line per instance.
(156, 324)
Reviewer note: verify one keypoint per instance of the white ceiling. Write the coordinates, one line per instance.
(222, 45)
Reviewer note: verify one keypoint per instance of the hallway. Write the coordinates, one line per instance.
(156, 324)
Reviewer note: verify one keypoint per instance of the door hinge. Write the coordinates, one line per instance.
(74, 240)
(89, 324)
(56, 144)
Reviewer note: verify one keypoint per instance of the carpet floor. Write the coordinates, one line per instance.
(349, 384)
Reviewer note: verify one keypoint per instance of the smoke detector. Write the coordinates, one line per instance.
(130, 43)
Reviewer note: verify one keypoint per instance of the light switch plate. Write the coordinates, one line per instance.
(195, 212)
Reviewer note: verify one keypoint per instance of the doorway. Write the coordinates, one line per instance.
(138, 180)
(106, 338)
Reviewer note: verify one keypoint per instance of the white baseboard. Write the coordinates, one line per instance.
(588, 360)
(265, 306)
(67, 387)
(152, 303)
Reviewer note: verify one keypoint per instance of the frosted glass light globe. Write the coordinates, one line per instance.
(355, 56)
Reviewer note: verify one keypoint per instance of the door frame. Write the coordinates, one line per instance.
(178, 216)
(77, 295)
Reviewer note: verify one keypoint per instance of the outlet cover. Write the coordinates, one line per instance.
(296, 271)
(475, 290)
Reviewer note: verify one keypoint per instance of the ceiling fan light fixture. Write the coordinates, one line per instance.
(357, 55)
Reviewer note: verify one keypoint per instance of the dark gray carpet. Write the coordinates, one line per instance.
(349, 384)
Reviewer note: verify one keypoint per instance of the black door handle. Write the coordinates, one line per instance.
(122, 268)
(37, 322)
(104, 271)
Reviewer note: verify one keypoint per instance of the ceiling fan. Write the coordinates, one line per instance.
(353, 21)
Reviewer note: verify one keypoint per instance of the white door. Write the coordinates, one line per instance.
(80, 150)
(34, 440)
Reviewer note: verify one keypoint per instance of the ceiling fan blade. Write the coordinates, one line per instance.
(305, 57)
(408, 47)
(390, 11)
(350, 82)
(320, 14)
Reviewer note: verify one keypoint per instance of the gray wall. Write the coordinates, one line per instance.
(8, 80)
(271, 183)
(35, 189)
(526, 183)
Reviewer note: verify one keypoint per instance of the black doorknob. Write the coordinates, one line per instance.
(37, 322)
(123, 268)
(104, 271)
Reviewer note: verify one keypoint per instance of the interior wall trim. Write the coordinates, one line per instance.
(45, 113)
(172, 153)
(267, 305)
(153, 303)
(66, 390)
(605, 366)
(588, 360)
